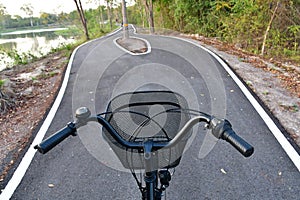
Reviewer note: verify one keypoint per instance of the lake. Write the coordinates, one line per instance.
(37, 42)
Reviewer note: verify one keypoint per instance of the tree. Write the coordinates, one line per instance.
(2, 10)
(44, 18)
(149, 8)
(100, 10)
(2, 15)
(109, 12)
(268, 29)
(125, 22)
(82, 18)
(28, 9)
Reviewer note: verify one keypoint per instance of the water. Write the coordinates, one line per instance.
(36, 42)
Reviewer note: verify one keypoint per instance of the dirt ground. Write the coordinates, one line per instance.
(34, 87)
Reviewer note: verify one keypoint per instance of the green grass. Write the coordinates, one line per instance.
(2, 82)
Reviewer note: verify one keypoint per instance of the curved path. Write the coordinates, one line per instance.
(101, 70)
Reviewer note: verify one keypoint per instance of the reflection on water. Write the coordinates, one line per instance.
(33, 31)
(36, 42)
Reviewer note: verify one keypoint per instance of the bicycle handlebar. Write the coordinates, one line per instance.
(56, 138)
(221, 129)
(237, 142)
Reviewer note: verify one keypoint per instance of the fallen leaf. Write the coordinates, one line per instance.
(223, 171)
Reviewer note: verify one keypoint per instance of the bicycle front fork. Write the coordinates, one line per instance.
(152, 191)
(151, 181)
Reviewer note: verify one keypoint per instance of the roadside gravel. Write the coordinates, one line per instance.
(277, 87)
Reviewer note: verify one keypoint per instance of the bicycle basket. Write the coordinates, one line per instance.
(155, 115)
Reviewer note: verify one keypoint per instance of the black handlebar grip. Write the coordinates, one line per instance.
(56, 138)
(237, 142)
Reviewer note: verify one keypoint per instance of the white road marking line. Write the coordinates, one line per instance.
(26, 160)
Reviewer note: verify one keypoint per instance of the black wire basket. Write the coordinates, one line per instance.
(154, 115)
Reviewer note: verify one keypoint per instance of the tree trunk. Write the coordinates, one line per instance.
(149, 9)
(82, 17)
(268, 29)
(108, 2)
(125, 22)
(100, 17)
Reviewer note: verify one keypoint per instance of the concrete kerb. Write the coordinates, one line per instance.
(133, 45)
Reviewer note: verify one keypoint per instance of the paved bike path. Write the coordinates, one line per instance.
(223, 174)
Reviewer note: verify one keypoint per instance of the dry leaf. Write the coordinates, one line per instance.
(223, 171)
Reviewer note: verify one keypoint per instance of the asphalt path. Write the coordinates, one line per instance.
(101, 70)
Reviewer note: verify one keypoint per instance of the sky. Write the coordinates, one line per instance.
(48, 6)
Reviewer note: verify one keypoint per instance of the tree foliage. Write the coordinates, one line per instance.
(241, 22)
(96, 19)
(245, 23)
